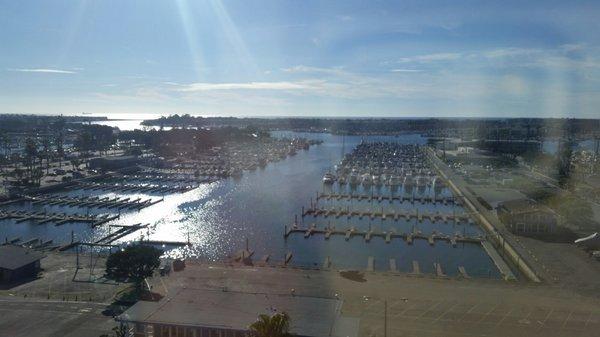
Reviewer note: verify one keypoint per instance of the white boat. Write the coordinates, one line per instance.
(366, 179)
(385, 178)
(328, 178)
(395, 180)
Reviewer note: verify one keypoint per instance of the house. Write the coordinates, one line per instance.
(525, 216)
(206, 313)
(18, 263)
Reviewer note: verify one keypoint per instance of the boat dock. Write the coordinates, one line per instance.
(95, 202)
(149, 177)
(387, 236)
(390, 198)
(58, 218)
(131, 188)
(121, 232)
(395, 215)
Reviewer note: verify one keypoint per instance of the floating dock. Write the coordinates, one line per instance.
(380, 198)
(367, 235)
(57, 218)
(95, 202)
(395, 215)
(133, 188)
(121, 232)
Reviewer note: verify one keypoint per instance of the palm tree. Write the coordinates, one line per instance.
(46, 152)
(30, 155)
(277, 325)
(5, 141)
(59, 143)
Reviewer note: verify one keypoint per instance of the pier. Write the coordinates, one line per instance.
(95, 202)
(420, 216)
(58, 218)
(121, 232)
(132, 188)
(390, 198)
(387, 236)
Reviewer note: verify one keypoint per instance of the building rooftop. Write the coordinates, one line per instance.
(496, 196)
(309, 316)
(14, 257)
(523, 205)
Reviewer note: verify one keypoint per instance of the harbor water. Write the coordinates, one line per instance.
(222, 217)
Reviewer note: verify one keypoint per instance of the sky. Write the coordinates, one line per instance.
(301, 58)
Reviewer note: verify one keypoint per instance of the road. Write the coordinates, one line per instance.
(25, 318)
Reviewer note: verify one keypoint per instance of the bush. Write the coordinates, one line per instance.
(133, 263)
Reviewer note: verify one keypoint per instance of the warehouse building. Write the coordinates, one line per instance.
(217, 313)
(18, 264)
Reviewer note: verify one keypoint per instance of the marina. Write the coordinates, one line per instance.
(207, 216)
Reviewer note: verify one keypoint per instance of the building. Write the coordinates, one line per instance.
(18, 263)
(491, 196)
(220, 313)
(113, 163)
(525, 216)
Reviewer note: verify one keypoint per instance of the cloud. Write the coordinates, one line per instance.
(199, 87)
(43, 70)
(345, 18)
(431, 58)
(310, 69)
(405, 70)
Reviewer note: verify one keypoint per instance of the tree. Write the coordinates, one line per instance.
(277, 325)
(565, 155)
(83, 143)
(46, 152)
(118, 331)
(30, 154)
(75, 163)
(133, 263)
(5, 141)
(59, 141)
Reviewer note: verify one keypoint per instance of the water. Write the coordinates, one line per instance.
(218, 218)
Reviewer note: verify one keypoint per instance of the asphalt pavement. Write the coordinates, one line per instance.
(24, 318)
